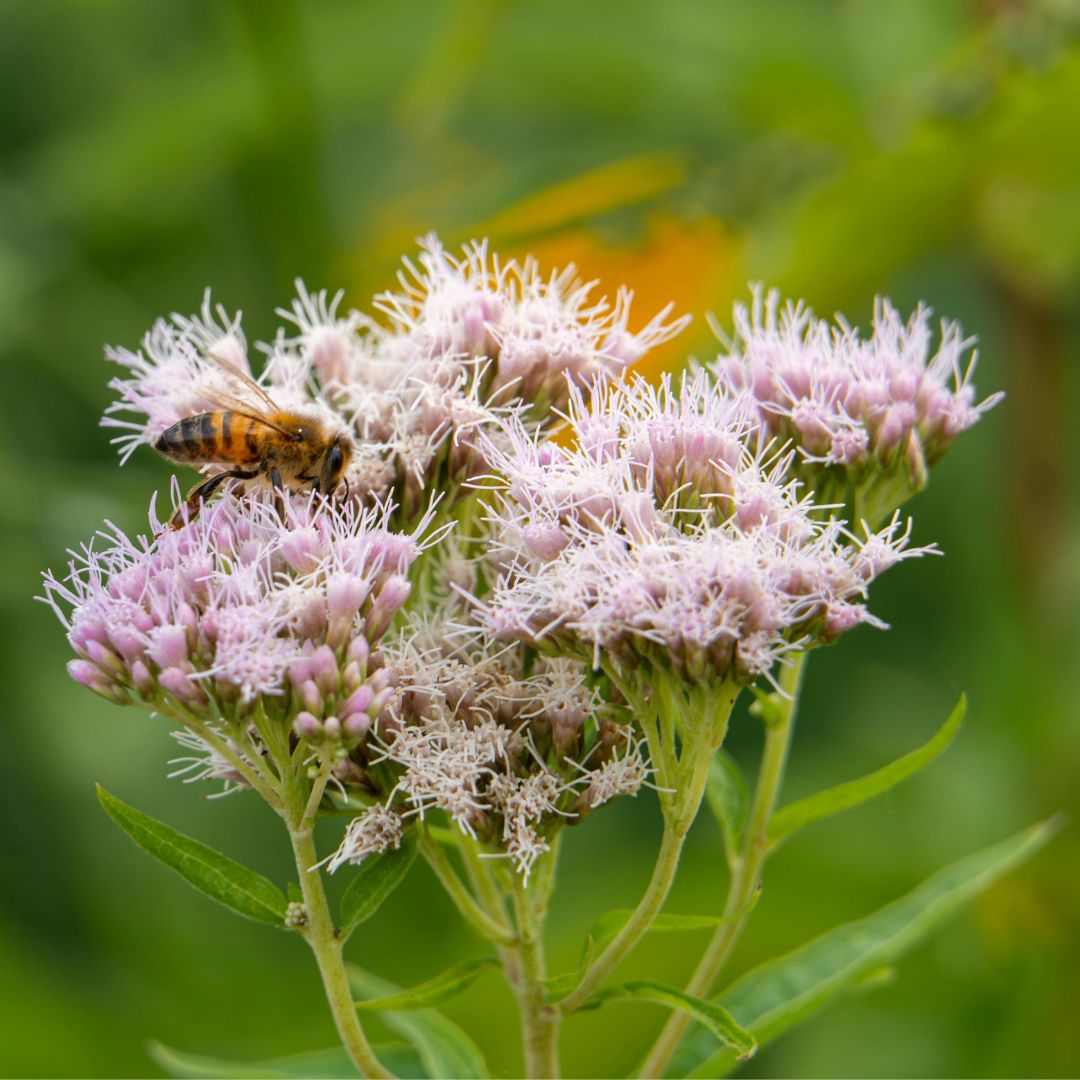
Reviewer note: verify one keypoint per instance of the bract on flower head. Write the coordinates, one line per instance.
(868, 415)
(670, 539)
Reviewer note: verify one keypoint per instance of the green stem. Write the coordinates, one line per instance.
(526, 970)
(483, 923)
(301, 805)
(325, 944)
(701, 737)
(780, 722)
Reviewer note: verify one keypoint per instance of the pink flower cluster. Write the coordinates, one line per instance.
(664, 535)
(464, 338)
(240, 608)
(854, 407)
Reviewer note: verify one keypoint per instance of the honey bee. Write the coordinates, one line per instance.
(257, 438)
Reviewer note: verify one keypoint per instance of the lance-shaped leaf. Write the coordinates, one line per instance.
(445, 1050)
(782, 992)
(434, 991)
(715, 1018)
(789, 819)
(378, 876)
(400, 1058)
(605, 928)
(219, 877)
(728, 798)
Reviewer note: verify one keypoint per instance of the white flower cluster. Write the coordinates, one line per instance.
(507, 759)
(664, 533)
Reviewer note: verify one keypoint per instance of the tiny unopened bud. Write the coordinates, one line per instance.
(295, 915)
(307, 726)
(309, 694)
(357, 725)
(93, 678)
(392, 595)
(351, 677)
(141, 678)
(359, 650)
(324, 669)
(359, 701)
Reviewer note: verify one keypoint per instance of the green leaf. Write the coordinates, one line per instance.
(435, 991)
(378, 876)
(605, 929)
(784, 991)
(728, 798)
(716, 1019)
(789, 819)
(334, 1063)
(219, 877)
(445, 1050)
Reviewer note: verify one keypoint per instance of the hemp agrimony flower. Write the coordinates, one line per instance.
(546, 585)
(666, 535)
(869, 415)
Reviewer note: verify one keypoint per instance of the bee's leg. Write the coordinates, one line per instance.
(275, 482)
(202, 491)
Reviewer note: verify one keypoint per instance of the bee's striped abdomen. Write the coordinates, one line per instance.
(212, 437)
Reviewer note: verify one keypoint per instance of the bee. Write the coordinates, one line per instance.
(256, 438)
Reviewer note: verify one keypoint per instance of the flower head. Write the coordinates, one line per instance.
(868, 416)
(666, 535)
(241, 607)
(506, 758)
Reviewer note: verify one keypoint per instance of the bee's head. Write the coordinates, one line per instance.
(335, 463)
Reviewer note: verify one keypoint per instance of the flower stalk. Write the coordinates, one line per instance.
(702, 728)
(318, 927)
(779, 717)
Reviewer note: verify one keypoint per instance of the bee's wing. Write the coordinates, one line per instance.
(242, 378)
(258, 409)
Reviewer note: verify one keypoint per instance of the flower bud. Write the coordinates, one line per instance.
(359, 650)
(310, 696)
(169, 646)
(104, 657)
(177, 682)
(307, 727)
(141, 678)
(357, 725)
(351, 677)
(359, 701)
(544, 541)
(93, 678)
(324, 669)
(392, 595)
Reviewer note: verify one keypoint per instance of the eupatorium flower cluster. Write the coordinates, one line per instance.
(507, 757)
(870, 413)
(464, 338)
(239, 611)
(665, 533)
(694, 531)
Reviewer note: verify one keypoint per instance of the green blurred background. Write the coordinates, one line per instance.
(918, 148)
